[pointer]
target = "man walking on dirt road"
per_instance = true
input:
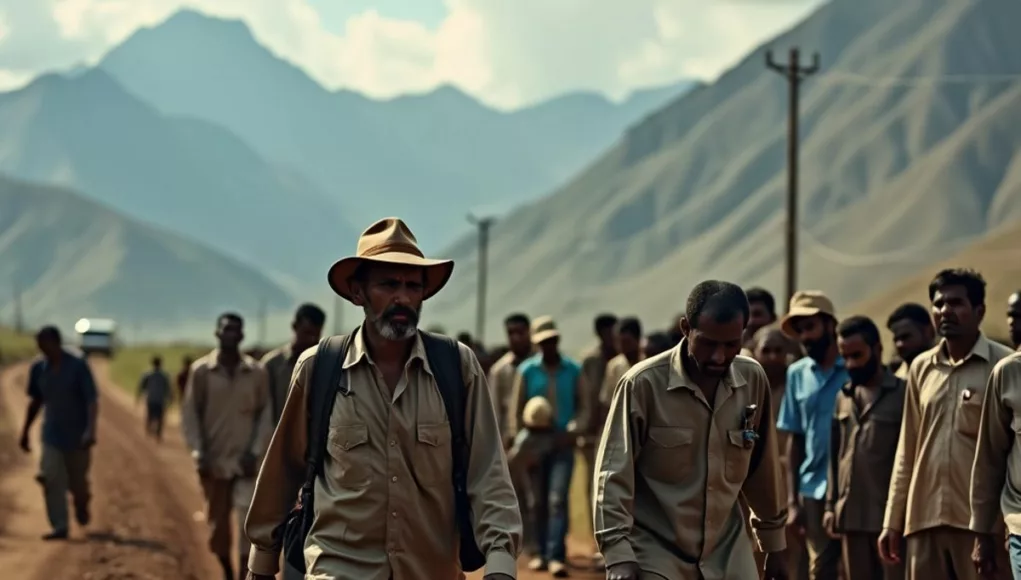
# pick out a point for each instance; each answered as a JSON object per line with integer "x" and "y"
{"x": 226, "y": 421}
{"x": 61, "y": 385}
{"x": 279, "y": 364}
{"x": 155, "y": 386}
{"x": 689, "y": 432}
{"x": 385, "y": 500}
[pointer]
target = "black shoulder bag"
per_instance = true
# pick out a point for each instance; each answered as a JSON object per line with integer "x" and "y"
{"x": 328, "y": 379}
{"x": 445, "y": 361}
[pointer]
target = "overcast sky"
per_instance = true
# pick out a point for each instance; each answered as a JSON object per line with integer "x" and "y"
{"x": 507, "y": 53}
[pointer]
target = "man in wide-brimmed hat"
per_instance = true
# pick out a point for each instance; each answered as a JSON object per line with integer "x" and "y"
{"x": 385, "y": 503}
{"x": 806, "y": 413}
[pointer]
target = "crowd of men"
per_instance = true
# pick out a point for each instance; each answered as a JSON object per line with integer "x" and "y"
{"x": 397, "y": 454}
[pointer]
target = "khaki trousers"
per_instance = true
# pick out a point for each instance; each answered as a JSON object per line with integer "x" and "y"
{"x": 861, "y": 558}
{"x": 226, "y": 497}
{"x": 945, "y": 552}
{"x": 61, "y": 472}
{"x": 823, "y": 551}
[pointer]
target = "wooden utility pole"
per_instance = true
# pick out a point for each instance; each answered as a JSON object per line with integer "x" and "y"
{"x": 19, "y": 321}
{"x": 483, "y": 225}
{"x": 794, "y": 73}
{"x": 262, "y": 325}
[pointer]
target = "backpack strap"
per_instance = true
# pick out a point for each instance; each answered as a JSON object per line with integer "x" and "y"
{"x": 445, "y": 362}
{"x": 328, "y": 379}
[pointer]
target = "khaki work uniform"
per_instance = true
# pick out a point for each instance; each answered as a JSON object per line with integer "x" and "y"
{"x": 501, "y": 385}
{"x": 864, "y": 443}
{"x": 615, "y": 370}
{"x": 929, "y": 498}
{"x": 996, "y": 475}
{"x": 384, "y": 508}
{"x": 279, "y": 365}
{"x": 671, "y": 466}
{"x": 223, "y": 417}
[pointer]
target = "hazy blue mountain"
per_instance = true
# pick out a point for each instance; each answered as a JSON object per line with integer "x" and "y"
{"x": 72, "y": 257}
{"x": 186, "y": 175}
{"x": 431, "y": 156}
{"x": 910, "y": 148}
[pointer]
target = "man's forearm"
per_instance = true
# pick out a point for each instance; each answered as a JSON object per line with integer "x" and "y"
{"x": 30, "y": 414}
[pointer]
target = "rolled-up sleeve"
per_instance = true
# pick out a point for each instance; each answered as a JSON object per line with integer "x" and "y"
{"x": 789, "y": 418}
{"x": 904, "y": 460}
{"x": 281, "y": 475}
{"x": 989, "y": 471}
{"x": 764, "y": 487}
{"x": 495, "y": 513}
{"x": 614, "y": 485}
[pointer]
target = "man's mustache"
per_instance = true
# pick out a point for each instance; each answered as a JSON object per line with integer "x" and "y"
{"x": 404, "y": 311}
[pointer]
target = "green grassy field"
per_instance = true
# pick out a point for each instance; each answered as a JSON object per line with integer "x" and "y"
{"x": 128, "y": 363}
{"x": 15, "y": 346}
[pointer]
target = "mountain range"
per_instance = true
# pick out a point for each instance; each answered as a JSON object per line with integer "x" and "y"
{"x": 437, "y": 155}
{"x": 81, "y": 258}
{"x": 909, "y": 152}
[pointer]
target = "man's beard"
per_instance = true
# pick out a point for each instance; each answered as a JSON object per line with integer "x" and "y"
{"x": 390, "y": 329}
{"x": 817, "y": 348}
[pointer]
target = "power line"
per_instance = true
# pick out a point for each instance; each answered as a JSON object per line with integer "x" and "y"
{"x": 851, "y": 78}
{"x": 795, "y": 75}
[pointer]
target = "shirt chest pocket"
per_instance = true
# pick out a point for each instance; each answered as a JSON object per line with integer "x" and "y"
{"x": 738, "y": 456}
{"x": 350, "y": 465}
{"x": 667, "y": 454}
{"x": 969, "y": 411}
{"x": 433, "y": 455}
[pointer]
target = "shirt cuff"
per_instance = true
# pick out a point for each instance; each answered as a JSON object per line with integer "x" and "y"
{"x": 618, "y": 553}
{"x": 500, "y": 562}
{"x": 769, "y": 541}
{"x": 263, "y": 562}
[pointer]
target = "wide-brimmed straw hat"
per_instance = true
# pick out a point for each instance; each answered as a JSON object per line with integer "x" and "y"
{"x": 543, "y": 329}
{"x": 806, "y": 303}
{"x": 389, "y": 241}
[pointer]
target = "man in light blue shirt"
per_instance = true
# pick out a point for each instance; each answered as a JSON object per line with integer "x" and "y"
{"x": 806, "y": 412}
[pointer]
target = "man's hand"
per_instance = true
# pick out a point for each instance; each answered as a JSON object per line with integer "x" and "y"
{"x": 89, "y": 438}
{"x": 890, "y": 546}
{"x": 201, "y": 465}
{"x": 829, "y": 523}
{"x": 23, "y": 443}
{"x": 983, "y": 555}
{"x": 796, "y": 519}
{"x": 497, "y": 576}
{"x": 776, "y": 566}
{"x": 623, "y": 571}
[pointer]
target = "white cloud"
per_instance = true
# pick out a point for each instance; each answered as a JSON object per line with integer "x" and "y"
{"x": 505, "y": 53}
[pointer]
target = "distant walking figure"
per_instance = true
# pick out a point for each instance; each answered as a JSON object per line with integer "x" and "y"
{"x": 61, "y": 385}
{"x": 155, "y": 386}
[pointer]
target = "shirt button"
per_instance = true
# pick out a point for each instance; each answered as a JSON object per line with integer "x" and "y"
{"x": 394, "y": 478}
{"x": 392, "y": 443}
{"x": 394, "y": 514}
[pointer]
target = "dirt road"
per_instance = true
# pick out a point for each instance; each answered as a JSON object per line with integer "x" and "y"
{"x": 146, "y": 501}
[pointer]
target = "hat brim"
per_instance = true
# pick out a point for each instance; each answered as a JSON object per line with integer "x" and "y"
{"x": 545, "y": 335}
{"x": 437, "y": 272}
{"x": 787, "y": 322}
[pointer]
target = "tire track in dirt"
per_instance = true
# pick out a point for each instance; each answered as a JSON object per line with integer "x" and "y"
{"x": 144, "y": 496}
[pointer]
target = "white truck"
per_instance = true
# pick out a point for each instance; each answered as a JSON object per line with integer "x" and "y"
{"x": 96, "y": 335}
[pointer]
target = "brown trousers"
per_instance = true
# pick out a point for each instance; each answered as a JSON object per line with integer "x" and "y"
{"x": 861, "y": 558}
{"x": 60, "y": 473}
{"x": 823, "y": 551}
{"x": 224, "y": 498}
{"x": 945, "y": 552}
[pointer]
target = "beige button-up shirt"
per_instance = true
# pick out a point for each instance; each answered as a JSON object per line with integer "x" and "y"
{"x": 942, "y": 409}
{"x": 615, "y": 370}
{"x": 671, "y": 466}
{"x": 501, "y": 383}
{"x": 593, "y": 373}
{"x": 279, "y": 365}
{"x": 385, "y": 507}
{"x": 996, "y": 475}
{"x": 224, "y": 415}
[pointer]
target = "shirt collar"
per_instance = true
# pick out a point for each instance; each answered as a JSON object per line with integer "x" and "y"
{"x": 245, "y": 364}
{"x": 888, "y": 382}
{"x": 679, "y": 377}
{"x": 358, "y": 352}
{"x": 982, "y": 350}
